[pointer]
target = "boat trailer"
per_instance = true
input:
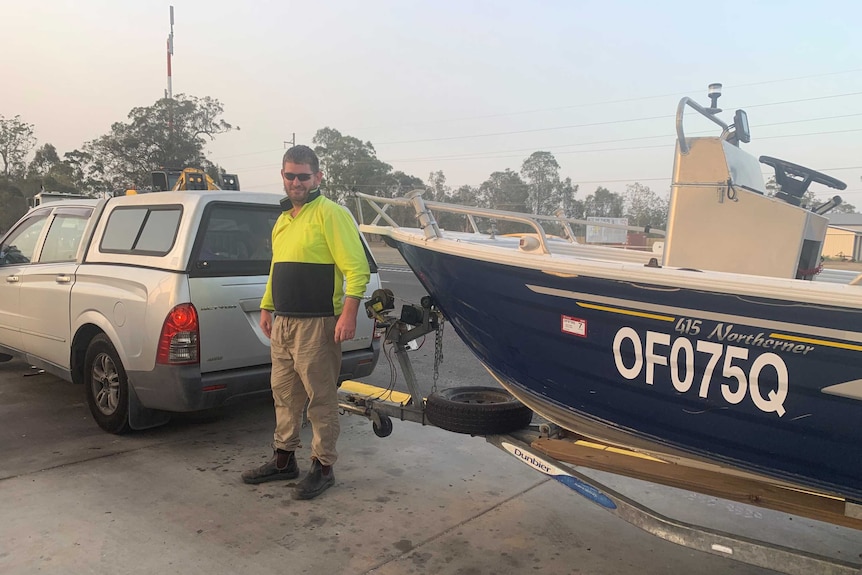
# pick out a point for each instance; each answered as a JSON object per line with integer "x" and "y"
{"x": 381, "y": 405}
{"x": 558, "y": 454}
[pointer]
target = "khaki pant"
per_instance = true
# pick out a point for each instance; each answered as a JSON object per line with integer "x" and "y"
{"x": 306, "y": 362}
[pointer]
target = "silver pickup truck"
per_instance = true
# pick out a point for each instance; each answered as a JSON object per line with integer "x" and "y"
{"x": 151, "y": 301}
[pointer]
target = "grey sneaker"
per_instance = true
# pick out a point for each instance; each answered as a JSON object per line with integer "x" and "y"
{"x": 316, "y": 481}
{"x": 270, "y": 471}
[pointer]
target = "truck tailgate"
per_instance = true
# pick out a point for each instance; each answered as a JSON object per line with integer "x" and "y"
{"x": 229, "y": 316}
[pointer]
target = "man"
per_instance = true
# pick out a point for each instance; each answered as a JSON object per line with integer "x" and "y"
{"x": 317, "y": 277}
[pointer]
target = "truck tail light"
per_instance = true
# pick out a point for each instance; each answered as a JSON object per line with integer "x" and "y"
{"x": 180, "y": 340}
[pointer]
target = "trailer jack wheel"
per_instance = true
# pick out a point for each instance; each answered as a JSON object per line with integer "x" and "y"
{"x": 381, "y": 424}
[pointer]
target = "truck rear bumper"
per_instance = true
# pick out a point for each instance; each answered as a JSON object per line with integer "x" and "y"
{"x": 183, "y": 388}
{"x": 359, "y": 363}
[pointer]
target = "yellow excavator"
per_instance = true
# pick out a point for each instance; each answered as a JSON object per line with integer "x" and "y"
{"x": 186, "y": 179}
{"x": 192, "y": 179}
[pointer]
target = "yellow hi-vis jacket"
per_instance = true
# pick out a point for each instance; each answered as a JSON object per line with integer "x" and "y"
{"x": 312, "y": 255}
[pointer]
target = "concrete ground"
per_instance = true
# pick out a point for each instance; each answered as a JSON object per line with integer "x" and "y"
{"x": 423, "y": 501}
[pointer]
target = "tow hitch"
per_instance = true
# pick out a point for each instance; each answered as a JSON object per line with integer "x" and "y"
{"x": 381, "y": 405}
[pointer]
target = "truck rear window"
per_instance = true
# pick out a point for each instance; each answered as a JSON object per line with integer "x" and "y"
{"x": 234, "y": 240}
{"x": 144, "y": 230}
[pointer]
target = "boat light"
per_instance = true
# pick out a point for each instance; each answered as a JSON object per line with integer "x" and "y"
{"x": 529, "y": 244}
{"x": 714, "y": 94}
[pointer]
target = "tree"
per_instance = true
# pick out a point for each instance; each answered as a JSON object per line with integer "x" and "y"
{"x": 349, "y": 165}
{"x": 570, "y": 206}
{"x": 465, "y": 195}
{"x": 47, "y": 172}
{"x": 844, "y": 209}
{"x": 172, "y": 133}
{"x": 438, "y": 191}
{"x": 503, "y": 191}
{"x": 13, "y": 203}
{"x": 546, "y": 193}
{"x": 401, "y": 183}
{"x": 643, "y": 207}
{"x": 16, "y": 141}
{"x": 604, "y": 203}
{"x": 84, "y": 172}
{"x": 541, "y": 172}
{"x": 43, "y": 160}
{"x": 437, "y": 188}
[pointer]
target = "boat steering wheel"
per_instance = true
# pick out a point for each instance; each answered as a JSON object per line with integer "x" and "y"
{"x": 795, "y": 179}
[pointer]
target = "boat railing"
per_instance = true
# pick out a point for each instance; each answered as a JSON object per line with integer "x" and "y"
{"x": 424, "y": 211}
{"x": 733, "y": 133}
{"x": 708, "y": 113}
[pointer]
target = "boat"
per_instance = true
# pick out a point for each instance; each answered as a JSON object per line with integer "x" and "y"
{"x": 717, "y": 347}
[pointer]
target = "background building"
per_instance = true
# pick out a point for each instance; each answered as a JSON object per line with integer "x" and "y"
{"x": 844, "y": 237}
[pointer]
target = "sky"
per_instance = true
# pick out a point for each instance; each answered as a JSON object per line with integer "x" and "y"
{"x": 463, "y": 86}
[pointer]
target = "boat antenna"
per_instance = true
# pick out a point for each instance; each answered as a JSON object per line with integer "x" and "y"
{"x": 714, "y": 94}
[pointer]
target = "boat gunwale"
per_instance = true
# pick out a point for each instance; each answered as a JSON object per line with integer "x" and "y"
{"x": 791, "y": 290}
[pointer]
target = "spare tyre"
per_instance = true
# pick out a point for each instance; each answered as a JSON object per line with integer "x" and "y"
{"x": 476, "y": 410}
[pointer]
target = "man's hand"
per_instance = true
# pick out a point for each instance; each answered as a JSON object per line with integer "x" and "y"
{"x": 266, "y": 322}
{"x": 345, "y": 328}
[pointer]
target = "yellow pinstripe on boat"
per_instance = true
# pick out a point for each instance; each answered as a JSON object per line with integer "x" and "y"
{"x": 626, "y": 311}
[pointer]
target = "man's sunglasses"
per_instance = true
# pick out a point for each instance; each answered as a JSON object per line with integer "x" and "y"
{"x": 290, "y": 176}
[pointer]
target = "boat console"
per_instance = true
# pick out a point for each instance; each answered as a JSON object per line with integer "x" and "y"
{"x": 720, "y": 217}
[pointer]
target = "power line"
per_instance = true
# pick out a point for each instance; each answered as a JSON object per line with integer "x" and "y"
{"x": 594, "y": 104}
{"x": 593, "y": 124}
{"x": 621, "y": 101}
{"x": 497, "y": 154}
{"x": 482, "y": 155}
{"x": 533, "y": 130}
{"x": 632, "y": 148}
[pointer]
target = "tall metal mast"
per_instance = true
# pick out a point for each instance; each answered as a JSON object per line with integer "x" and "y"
{"x": 170, "y": 92}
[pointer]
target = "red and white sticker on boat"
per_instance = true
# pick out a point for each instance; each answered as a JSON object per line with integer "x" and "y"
{"x": 573, "y": 325}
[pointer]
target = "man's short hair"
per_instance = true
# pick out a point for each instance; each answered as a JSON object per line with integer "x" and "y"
{"x": 302, "y": 155}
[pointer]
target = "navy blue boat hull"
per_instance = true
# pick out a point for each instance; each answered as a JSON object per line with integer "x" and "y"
{"x": 712, "y": 374}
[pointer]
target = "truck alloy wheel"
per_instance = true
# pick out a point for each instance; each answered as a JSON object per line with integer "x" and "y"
{"x": 107, "y": 386}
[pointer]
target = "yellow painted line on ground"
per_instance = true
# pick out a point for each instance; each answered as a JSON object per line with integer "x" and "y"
{"x": 626, "y": 311}
{"x": 375, "y": 392}
{"x": 837, "y": 344}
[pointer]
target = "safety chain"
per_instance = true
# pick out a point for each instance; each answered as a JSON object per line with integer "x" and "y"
{"x": 809, "y": 271}
{"x": 438, "y": 353}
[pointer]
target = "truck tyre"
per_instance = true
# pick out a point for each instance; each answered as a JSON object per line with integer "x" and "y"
{"x": 107, "y": 386}
{"x": 476, "y": 410}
